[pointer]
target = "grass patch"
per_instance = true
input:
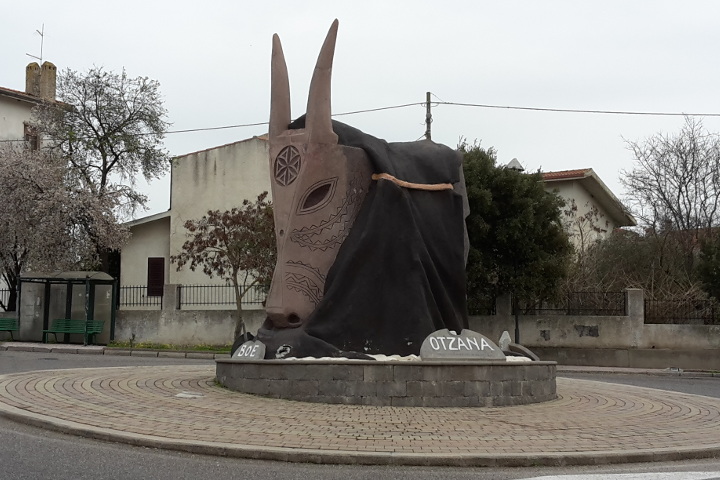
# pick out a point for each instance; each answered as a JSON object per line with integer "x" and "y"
{"x": 170, "y": 346}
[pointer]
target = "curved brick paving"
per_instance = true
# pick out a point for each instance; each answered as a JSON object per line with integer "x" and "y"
{"x": 180, "y": 407}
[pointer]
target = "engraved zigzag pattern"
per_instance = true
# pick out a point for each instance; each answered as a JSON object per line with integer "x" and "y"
{"x": 304, "y": 285}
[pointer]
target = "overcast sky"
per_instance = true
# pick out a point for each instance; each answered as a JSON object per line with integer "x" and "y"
{"x": 212, "y": 60}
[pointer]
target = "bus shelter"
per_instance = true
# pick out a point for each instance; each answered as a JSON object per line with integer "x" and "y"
{"x": 78, "y": 295}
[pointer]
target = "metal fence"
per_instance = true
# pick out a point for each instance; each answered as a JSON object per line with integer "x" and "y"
{"x": 189, "y": 295}
{"x": 220, "y": 295}
{"x": 4, "y": 297}
{"x": 583, "y": 303}
{"x": 683, "y": 312}
{"x": 136, "y": 296}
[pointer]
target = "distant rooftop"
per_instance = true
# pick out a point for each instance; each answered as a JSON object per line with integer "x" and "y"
{"x": 567, "y": 174}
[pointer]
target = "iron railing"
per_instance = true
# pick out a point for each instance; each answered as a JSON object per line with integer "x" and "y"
{"x": 220, "y": 295}
{"x": 137, "y": 296}
{"x": 685, "y": 311}
{"x": 4, "y": 297}
{"x": 583, "y": 303}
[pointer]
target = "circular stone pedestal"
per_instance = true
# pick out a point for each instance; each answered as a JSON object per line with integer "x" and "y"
{"x": 402, "y": 384}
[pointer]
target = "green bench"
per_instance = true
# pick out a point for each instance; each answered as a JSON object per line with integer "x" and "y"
{"x": 88, "y": 328}
{"x": 9, "y": 325}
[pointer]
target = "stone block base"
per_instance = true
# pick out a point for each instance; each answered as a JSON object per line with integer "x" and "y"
{"x": 402, "y": 384}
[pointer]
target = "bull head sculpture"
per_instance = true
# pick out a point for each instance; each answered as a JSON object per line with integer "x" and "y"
{"x": 318, "y": 187}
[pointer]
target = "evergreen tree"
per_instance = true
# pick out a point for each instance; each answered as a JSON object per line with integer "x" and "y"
{"x": 517, "y": 241}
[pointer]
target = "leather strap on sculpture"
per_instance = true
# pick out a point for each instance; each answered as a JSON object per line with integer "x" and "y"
{"x": 413, "y": 186}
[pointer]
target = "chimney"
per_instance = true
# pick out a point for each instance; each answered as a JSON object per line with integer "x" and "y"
{"x": 32, "y": 79}
{"x": 41, "y": 81}
{"x": 48, "y": 76}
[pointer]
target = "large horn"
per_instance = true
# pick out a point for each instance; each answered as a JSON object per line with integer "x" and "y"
{"x": 279, "y": 91}
{"x": 318, "y": 123}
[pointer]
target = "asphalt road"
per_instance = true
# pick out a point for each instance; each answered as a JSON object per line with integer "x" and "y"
{"x": 686, "y": 382}
{"x": 31, "y": 453}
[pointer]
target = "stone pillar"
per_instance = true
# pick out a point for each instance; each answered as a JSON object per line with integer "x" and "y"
{"x": 635, "y": 301}
{"x": 170, "y": 297}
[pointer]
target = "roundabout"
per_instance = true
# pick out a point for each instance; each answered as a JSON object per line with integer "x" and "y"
{"x": 182, "y": 408}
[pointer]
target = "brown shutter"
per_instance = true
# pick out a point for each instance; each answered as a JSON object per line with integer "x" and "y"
{"x": 156, "y": 276}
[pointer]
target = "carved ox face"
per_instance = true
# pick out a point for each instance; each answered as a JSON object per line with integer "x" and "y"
{"x": 318, "y": 187}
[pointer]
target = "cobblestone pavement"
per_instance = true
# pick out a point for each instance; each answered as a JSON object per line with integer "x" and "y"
{"x": 181, "y": 407}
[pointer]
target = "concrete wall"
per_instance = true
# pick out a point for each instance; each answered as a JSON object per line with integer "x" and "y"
{"x": 628, "y": 331}
{"x": 608, "y": 341}
{"x": 183, "y": 327}
{"x": 622, "y": 341}
{"x": 219, "y": 178}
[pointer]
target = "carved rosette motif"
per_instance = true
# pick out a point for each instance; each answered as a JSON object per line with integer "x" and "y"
{"x": 287, "y": 165}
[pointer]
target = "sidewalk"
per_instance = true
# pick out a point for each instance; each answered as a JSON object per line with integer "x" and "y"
{"x": 101, "y": 350}
{"x": 181, "y": 408}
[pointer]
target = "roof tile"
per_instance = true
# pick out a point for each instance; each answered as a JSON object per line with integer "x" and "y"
{"x": 566, "y": 174}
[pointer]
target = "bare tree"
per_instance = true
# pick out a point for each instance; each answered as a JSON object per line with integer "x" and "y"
{"x": 39, "y": 217}
{"x": 674, "y": 186}
{"x": 233, "y": 244}
{"x": 110, "y": 132}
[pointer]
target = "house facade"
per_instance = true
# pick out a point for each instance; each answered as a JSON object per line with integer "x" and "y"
{"x": 592, "y": 211}
{"x": 219, "y": 178}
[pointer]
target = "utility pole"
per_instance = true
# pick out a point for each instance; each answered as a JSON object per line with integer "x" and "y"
{"x": 428, "y": 117}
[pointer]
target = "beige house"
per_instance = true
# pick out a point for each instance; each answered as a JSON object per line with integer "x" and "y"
{"x": 218, "y": 178}
{"x": 592, "y": 211}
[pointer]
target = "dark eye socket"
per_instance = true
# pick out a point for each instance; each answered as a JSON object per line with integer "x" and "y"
{"x": 317, "y": 196}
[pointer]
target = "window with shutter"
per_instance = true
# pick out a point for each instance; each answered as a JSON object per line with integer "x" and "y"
{"x": 156, "y": 276}
{"x": 31, "y": 137}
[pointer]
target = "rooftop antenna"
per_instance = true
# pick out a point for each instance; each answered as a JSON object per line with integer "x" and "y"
{"x": 40, "y": 32}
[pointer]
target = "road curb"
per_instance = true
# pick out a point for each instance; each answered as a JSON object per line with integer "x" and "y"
{"x": 301, "y": 455}
{"x": 102, "y": 350}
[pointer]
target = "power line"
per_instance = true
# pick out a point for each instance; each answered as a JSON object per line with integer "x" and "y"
{"x": 457, "y": 104}
{"x": 572, "y": 110}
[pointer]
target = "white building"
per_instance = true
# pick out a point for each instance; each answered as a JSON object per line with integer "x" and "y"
{"x": 593, "y": 211}
{"x": 218, "y": 178}
{"x": 16, "y": 106}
